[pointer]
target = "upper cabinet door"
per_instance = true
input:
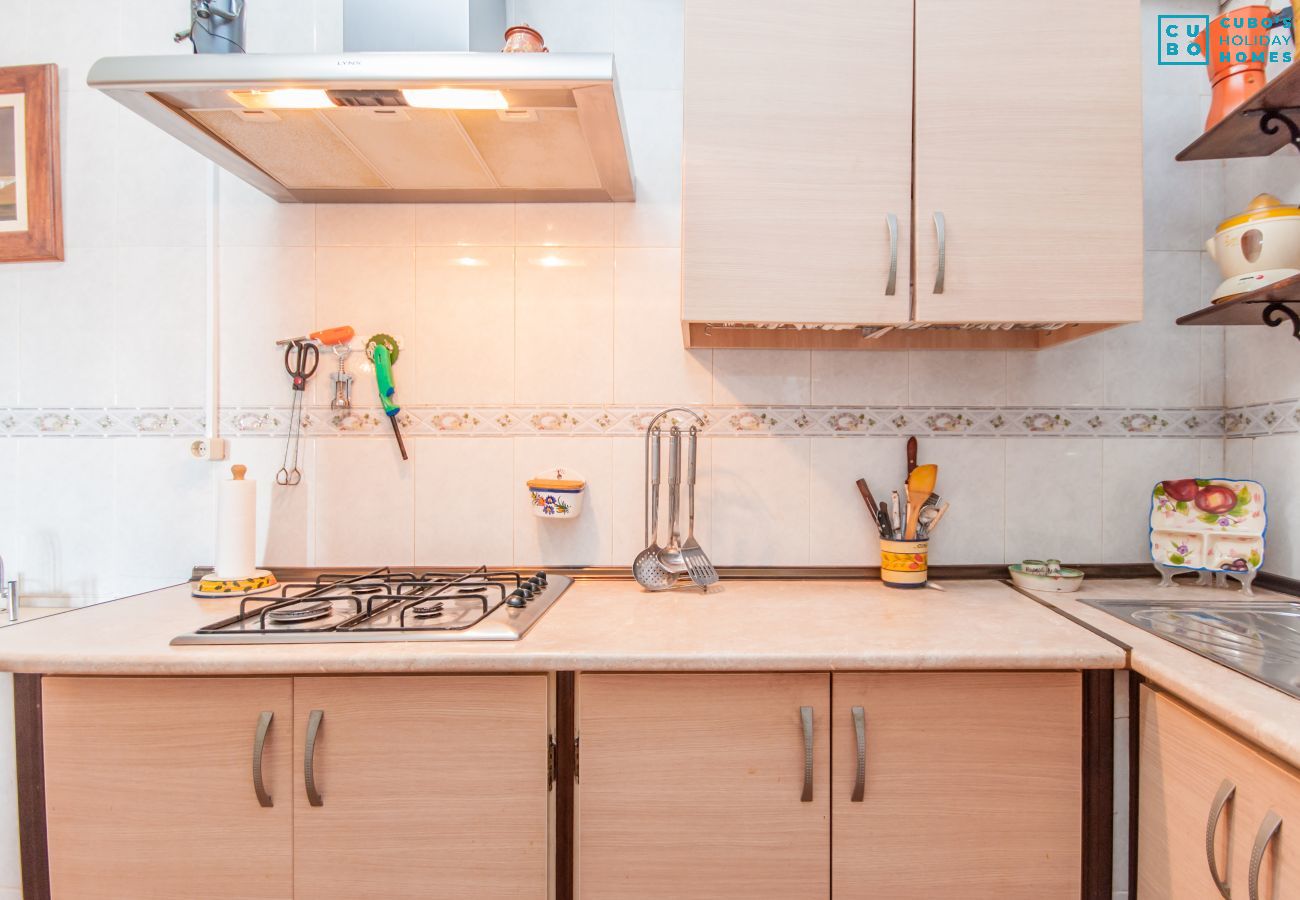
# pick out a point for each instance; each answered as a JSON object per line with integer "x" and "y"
{"x": 428, "y": 786}
{"x": 1029, "y": 144}
{"x": 151, "y": 793}
{"x": 797, "y": 159}
{"x": 957, "y": 784}
{"x": 703, "y": 786}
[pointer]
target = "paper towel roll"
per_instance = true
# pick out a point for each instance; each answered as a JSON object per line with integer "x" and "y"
{"x": 236, "y": 527}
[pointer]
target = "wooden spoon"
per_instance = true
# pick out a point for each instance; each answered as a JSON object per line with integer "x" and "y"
{"x": 920, "y": 484}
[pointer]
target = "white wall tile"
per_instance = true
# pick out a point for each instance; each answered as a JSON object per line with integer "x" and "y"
{"x": 958, "y": 377}
{"x": 10, "y": 325}
{"x": 584, "y": 541}
{"x": 13, "y": 37}
{"x": 159, "y": 326}
{"x": 564, "y": 322}
{"x": 1274, "y": 466}
{"x": 650, "y": 363}
{"x": 285, "y": 527}
{"x": 164, "y": 510}
{"x": 146, "y": 28}
{"x": 65, "y": 345}
{"x": 1154, "y": 362}
{"x": 859, "y": 379}
{"x": 72, "y": 33}
{"x": 465, "y": 496}
{"x": 465, "y": 224}
{"x": 459, "y": 293}
{"x": 88, "y": 126}
{"x": 762, "y": 377}
{"x": 841, "y": 529}
{"x": 250, "y": 218}
{"x": 568, "y": 26}
{"x": 286, "y": 26}
{"x": 1130, "y": 469}
{"x": 1212, "y": 456}
{"x": 761, "y": 502}
{"x": 161, "y": 187}
{"x": 565, "y": 224}
{"x": 975, "y": 478}
{"x": 630, "y": 499}
{"x": 373, "y": 290}
{"x": 1054, "y": 507}
{"x": 65, "y": 492}
{"x": 267, "y": 293}
{"x": 364, "y": 503}
{"x": 1067, "y": 375}
{"x": 365, "y": 224}
{"x": 1238, "y": 458}
{"x": 1262, "y": 365}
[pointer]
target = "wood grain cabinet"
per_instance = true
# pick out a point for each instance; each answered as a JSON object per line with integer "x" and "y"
{"x": 151, "y": 793}
{"x": 914, "y": 785}
{"x": 703, "y": 786}
{"x": 1212, "y": 812}
{"x": 1015, "y": 184}
{"x": 320, "y": 788}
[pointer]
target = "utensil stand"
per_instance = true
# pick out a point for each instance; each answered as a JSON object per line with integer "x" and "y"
{"x": 655, "y": 425}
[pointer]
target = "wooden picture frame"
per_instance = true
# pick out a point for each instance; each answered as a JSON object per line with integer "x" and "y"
{"x": 31, "y": 214}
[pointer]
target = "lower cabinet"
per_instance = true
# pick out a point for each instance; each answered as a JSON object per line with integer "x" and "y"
{"x": 889, "y": 785}
{"x": 1211, "y": 812}
{"x": 321, "y": 788}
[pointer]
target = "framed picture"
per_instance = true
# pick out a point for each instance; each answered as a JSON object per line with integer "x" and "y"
{"x": 31, "y": 218}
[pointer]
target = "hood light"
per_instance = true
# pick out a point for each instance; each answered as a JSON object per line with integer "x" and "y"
{"x": 283, "y": 98}
{"x": 455, "y": 98}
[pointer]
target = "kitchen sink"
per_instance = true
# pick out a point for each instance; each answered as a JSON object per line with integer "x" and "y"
{"x": 1258, "y": 638}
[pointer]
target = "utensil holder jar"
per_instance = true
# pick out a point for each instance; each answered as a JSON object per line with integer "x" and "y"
{"x": 904, "y": 564}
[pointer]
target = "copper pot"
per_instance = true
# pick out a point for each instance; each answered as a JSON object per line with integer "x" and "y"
{"x": 522, "y": 39}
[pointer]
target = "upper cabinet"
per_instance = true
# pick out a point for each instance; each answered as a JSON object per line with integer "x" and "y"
{"x": 959, "y": 151}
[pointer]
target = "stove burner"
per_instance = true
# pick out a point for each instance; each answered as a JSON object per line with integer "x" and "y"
{"x": 307, "y": 613}
{"x": 427, "y": 612}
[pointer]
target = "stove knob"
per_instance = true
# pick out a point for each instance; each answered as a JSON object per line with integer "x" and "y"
{"x": 516, "y": 600}
{"x": 535, "y": 585}
{"x": 540, "y": 578}
{"x": 527, "y": 590}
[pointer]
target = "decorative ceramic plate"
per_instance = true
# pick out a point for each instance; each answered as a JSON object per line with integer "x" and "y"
{"x": 1208, "y": 524}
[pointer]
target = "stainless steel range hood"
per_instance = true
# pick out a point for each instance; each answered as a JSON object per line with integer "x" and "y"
{"x": 391, "y": 127}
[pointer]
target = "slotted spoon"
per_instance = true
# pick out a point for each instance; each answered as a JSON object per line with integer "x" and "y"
{"x": 646, "y": 568}
{"x": 697, "y": 561}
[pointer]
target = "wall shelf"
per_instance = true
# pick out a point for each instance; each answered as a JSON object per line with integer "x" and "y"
{"x": 1277, "y": 304}
{"x": 1261, "y": 126}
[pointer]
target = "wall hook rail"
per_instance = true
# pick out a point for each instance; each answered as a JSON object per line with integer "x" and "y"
{"x": 1276, "y": 314}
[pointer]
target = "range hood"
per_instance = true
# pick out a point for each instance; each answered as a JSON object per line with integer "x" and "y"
{"x": 409, "y": 127}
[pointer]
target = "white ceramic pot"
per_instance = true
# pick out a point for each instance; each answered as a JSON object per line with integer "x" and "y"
{"x": 1265, "y": 236}
{"x": 556, "y": 494}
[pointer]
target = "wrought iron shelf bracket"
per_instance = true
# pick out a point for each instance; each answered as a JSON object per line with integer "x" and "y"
{"x": 1276, "y": 314}
{"x": 1271, "y": 121}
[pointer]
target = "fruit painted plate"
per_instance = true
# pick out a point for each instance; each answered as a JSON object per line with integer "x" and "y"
{"x": 1208, "y": 524}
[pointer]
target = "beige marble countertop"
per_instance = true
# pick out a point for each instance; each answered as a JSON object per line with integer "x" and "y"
{"x": 606, "y": 626}
{"x": 1259, "y": 713}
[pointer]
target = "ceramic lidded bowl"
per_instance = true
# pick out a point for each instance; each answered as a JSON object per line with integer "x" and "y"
{"x": 1036, "y": 575}
{"x": 556, "y": 494}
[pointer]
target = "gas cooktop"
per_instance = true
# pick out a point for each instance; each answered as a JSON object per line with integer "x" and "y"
{"x": 384, "y": 605}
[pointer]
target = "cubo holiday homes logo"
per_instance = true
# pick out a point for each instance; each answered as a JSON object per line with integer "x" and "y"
{"x": 1181, "y": 40}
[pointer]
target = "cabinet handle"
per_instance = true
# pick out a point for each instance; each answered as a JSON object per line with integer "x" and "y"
{"x": 1221, "y": 799}
{"x": 309, "y": 758}
{"x": 941, "y": 234}
{"x": 891, "y": 282}
{"x": 860, "y": 728}
{"x": 1267, "y": 829}
{"x": 259, "y": 743}
{"x": 806, "y": 713}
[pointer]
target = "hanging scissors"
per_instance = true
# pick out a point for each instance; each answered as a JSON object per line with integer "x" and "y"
{"x": 300, "y": 361}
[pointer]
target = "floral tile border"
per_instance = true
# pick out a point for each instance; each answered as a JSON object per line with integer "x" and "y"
{"x": 819, "y": 421}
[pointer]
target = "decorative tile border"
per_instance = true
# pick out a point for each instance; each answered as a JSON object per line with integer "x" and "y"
{"x": 1260, "y": 419}
{"x": 625, "y": 421}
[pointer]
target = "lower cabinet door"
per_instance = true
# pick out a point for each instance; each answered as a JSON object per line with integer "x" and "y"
{"x": 420, "y": 786}
{"x": 961, "y": 784}
{"x": 151, "y": 791}
{"x": 703, "y": 787}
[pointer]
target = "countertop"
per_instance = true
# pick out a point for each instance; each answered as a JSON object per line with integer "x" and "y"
{"x": 1259, "y": 713}
{"x": 607, "y": 626}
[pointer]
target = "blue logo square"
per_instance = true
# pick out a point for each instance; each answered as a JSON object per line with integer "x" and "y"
{"x": 1179, "y": 40}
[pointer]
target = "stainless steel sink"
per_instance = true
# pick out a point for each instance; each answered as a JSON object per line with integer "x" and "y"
{"x": 1258, "y": 638}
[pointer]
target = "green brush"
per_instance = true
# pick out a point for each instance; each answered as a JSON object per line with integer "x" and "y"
{"x": 382, "y": 350}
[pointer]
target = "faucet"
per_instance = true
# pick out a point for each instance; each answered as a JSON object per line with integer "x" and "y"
{"x": 9, "y": 592}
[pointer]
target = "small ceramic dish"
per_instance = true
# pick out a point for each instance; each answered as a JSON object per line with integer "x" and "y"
{"x": 1035, "y": 575}
{"x": 556, "y": 494}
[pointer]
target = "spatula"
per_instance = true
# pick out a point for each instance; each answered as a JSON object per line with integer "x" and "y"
{"x": 920, "y": 484}
{"x": 697, "y": 561}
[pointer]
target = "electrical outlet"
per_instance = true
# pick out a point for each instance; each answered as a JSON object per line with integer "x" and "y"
{"x": 211, "y": 449}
